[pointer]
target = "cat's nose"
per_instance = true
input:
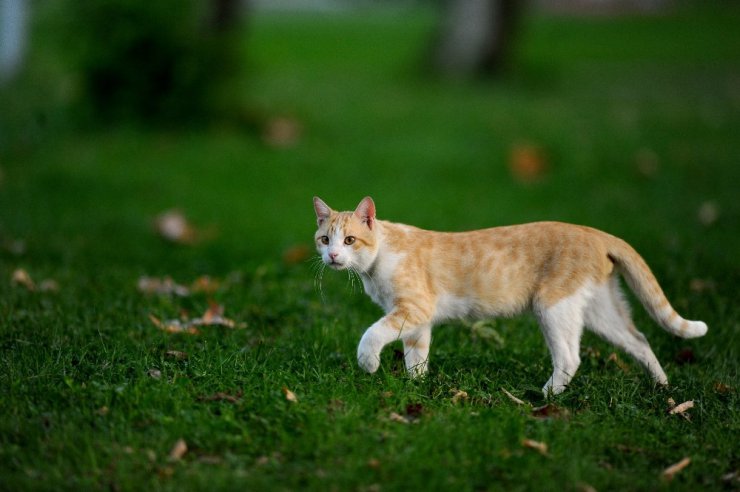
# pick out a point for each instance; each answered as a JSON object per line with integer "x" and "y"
{"x": 333, "y": 256}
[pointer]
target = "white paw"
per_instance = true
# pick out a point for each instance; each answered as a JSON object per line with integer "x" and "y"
{"x": 417, "y": 370}
{"x": 367, "y": 356}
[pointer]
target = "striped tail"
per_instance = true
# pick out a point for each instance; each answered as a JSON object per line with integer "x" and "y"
{"x": 643, "y": 283}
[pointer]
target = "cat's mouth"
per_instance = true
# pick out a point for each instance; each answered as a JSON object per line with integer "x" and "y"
{"x": 336, "y": 265}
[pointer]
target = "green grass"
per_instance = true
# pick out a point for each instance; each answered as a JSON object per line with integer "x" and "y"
{"x": 81, "y": 411}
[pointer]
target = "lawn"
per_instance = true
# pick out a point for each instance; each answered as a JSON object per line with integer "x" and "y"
{"x": 636, "y": 122}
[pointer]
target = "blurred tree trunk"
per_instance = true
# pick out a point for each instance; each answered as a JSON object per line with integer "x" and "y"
{"x": 476, "y": 36}
{"x": 13, "y": 37}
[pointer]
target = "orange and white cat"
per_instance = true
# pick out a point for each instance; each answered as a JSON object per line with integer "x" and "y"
{"x": 566, "y": 274}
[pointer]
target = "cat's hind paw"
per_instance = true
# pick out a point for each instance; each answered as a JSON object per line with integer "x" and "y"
{"x": 369, "y": 362}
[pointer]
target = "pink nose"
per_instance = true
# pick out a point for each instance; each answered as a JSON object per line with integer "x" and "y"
{"x": 333, "y": 256}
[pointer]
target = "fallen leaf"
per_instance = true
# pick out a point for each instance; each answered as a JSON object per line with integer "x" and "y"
{"x": 513, "y": 398}
{"x": 176, "y": 354}
{"x": 613, "y": 357}
{"x": 731, "y": 477}
{"x": 154, "y": 373}
{"x": 102, "y": 411}
{"x": 16, "y": 247}
{"x": 700, "y": 285}
{"x": 458, "y": 395}
{"x": 48, "y": 285}
{"x": 584, "y": 487}
{"x": 178, "y": 450}
{"x": 22, "y": 278}
{"x": 671, "y": 471}
{"x": 296, "y": 254}
{"x": 550, "y": 411}
{"x": 396, "y": 417}
{"x": 538, "y": 446}
{"x": 681, "y": 408}
{"x": 685, "y": 356}
{"x": 173, "y": 326}
{"x": 722, "y": 388}
{"x": 220, "y": 396}
{"x": 205, "y": 284}
{"x": 527, "y": 162}
{"x": 414, "y": 410}
{"x": 485, "y": 331}
{"x": 163, "y": 286}
{"x": 289, "y": 395}
{"x": 373, "y": 463}
{"x": 174, "y": 227}
{"x": 708, "y": 213}
{"x": 282, "y": 132}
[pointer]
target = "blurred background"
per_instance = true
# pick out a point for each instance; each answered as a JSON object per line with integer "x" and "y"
{"x": 227, "y": 116}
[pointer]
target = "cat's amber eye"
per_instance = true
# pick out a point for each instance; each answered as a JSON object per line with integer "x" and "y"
{"x": 349, "y": 240}
{"x": 324, "y": 239}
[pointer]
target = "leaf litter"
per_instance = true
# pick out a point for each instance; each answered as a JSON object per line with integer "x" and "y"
{"x": 213, "y": 316}
{"x": 672, "y": 470}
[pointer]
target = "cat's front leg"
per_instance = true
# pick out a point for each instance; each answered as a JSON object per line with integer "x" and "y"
{"x": 416, "y": 351}
{"x": 397, "y": 325}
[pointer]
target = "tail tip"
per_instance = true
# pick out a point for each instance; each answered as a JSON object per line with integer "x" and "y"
{"x": 696, "y": 329}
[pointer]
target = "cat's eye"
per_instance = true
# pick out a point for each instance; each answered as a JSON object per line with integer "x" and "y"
{"x": 324, "y": 240}
{"x": 349, "y": 240}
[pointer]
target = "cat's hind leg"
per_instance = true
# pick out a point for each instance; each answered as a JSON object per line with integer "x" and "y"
{"x": 608, "y": 316}
{"x": 416, "y": 350}
{"x": 562, "y": 327}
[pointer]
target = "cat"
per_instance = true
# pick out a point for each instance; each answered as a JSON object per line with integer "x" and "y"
{"x": 566, "y": 274}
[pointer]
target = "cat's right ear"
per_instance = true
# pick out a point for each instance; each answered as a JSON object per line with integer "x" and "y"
{"x": 323, "y": 211}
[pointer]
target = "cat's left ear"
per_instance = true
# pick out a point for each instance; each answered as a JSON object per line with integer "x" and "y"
{"x": 365, "y": 211}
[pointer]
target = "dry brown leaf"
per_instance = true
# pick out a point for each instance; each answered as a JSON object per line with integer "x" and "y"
{"x": 173, "y": 226}
{"x": 700, "y": 285}
{"x": 213, "y": 316}
{"x": 205, "y": 284}
{"x": 458, "y": 395}
{"x": 550, "y": 410}
{"x": 154, "y": 373}
{"x": 613, "y": 357}
{"x": 296, "y": 254}
{"x": 722, "y": 388}
{"x": 163, "y": 286}
{"x": 220, "y": 396}
{"x": 48, "y": 285}
{"x": 513, "y": 398}
{"x": 289, "y": 395}
{"x": 671, "y": 471}
{"x": 22, "y": 278}
{"x": 373, "y": 463}
{"x": 178, "y": 450}
{"x": 682, "y": 407}
{"x": 396, "y": 417}
{"x": 708, "y": 213}
{"x": 176, "y": 354}
{"x": 527, "y": 162}
{"x": 282, "y": 132}
{"x": 538, "y": 446}
{"x": 173, "y": 326}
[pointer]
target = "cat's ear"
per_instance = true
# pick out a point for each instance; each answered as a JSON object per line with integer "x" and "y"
{"x": 322, "y": 210}
{"x": 365, "y": 211}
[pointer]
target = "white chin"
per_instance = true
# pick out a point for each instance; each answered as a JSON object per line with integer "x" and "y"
{"x": 337, "y": 266}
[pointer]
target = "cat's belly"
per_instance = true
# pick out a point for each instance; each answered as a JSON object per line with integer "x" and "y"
{"x": 451, "y": 307}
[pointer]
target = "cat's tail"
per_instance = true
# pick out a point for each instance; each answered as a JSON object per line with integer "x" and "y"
{"x": 645, "y": 286}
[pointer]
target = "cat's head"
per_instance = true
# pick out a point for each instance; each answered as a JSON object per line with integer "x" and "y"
{"x": 347, "y": 239}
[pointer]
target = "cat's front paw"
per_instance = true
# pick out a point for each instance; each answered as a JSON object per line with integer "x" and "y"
{"x": 368, "y": 357}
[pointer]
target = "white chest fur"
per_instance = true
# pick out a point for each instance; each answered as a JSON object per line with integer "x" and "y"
{"x": 378, "y": 282}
